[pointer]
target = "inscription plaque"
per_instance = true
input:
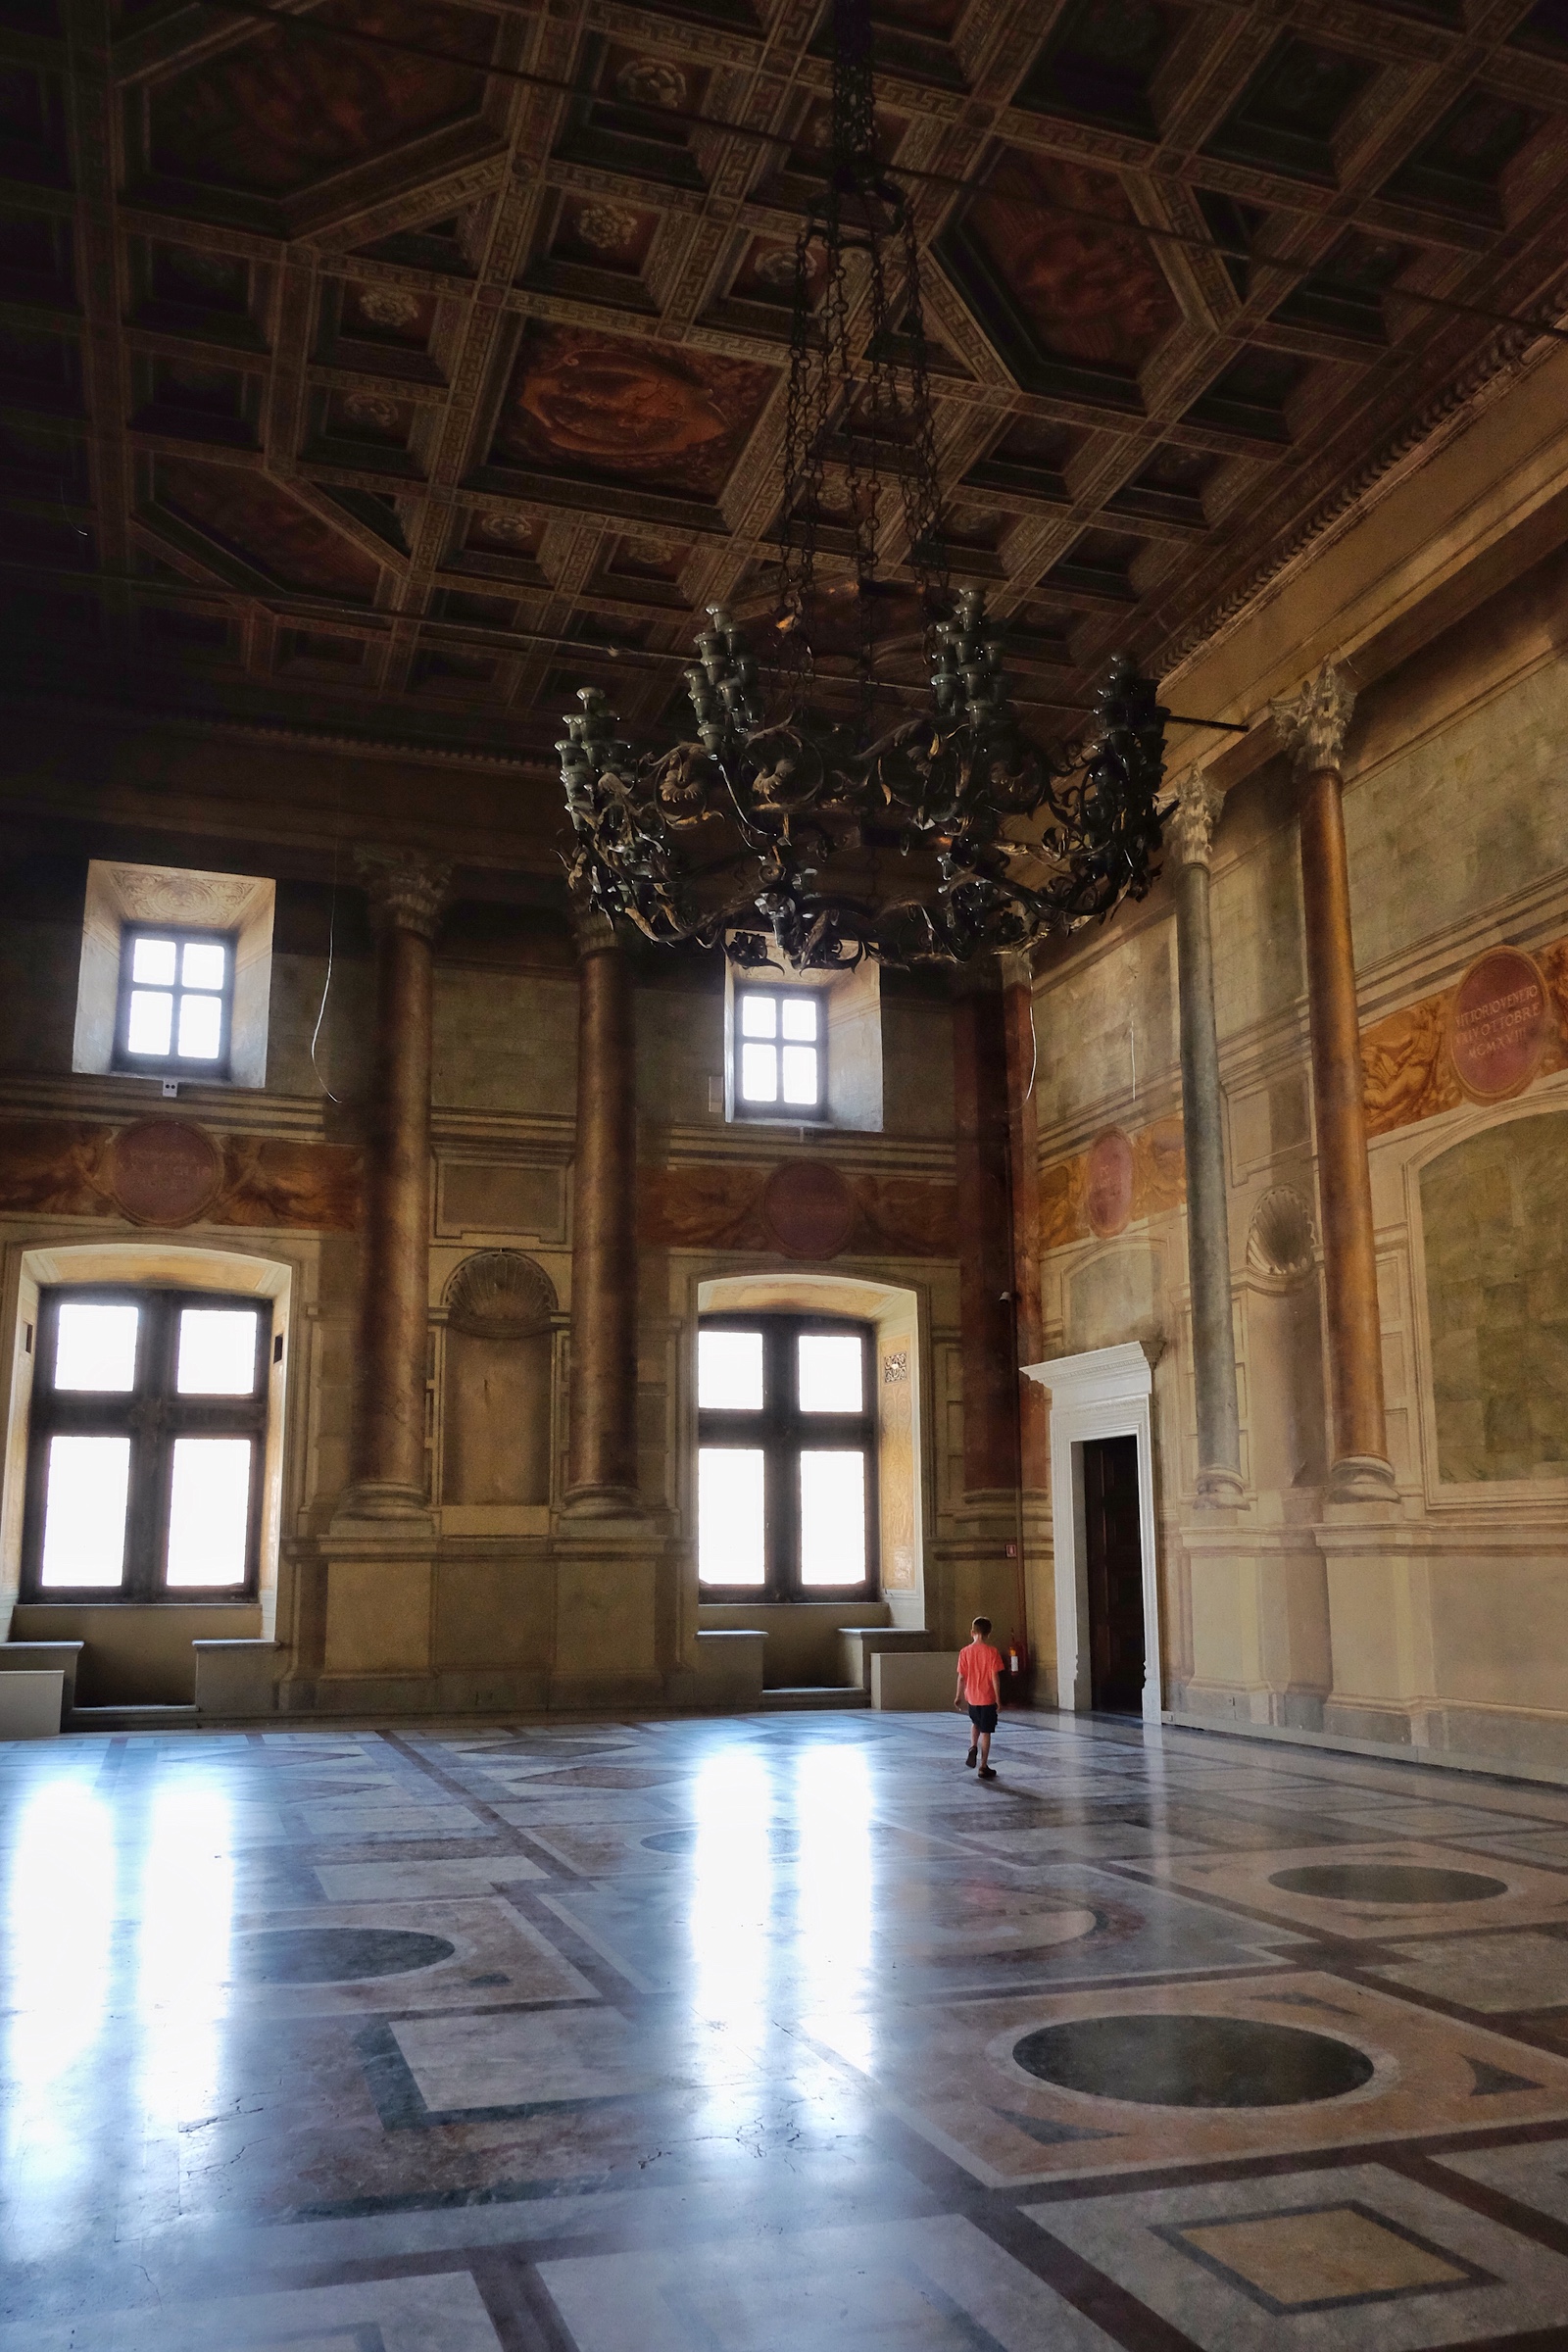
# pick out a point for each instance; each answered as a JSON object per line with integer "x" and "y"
{"x": 807, "y": 1210}
{"x": 1498, "y": 1024}
{"x": 164, "y": 1171}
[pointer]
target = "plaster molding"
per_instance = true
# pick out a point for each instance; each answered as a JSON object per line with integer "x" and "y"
{"x": 1313, "y": 724}
{"x": 406, "y": 891}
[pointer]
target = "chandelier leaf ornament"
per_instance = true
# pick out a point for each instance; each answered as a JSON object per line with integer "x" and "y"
{"x": 788, "y": 827}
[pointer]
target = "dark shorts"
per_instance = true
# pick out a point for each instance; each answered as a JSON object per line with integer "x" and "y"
{"x": 984, "y": 1719}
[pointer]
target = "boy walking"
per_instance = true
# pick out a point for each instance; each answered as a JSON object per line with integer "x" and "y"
{"x": 979, "y": 1683}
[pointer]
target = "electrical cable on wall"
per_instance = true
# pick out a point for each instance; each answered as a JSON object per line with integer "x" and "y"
{"x": 326, "y": 984}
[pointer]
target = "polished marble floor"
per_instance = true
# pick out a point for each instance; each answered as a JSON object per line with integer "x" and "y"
{"x": 777, "y": 2034}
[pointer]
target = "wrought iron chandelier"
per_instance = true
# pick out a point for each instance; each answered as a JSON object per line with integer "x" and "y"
{"x": 810, "y": 836}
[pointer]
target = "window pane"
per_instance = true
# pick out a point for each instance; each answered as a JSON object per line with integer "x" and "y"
{"x": 729, "y": 1371}
{"x": 209, "y": 1508}
{"x": 85, "y": 1511}
{"x": 832, "y": 1367}
{"x": 832, "y": 1518}
{"x": 217, "y": 1352}
{"x": 799, "y": 1015}
{"x": 799, "y": 1074}
{"x": 152, "y": 1022}
{"x": 203, "y": 964}
{"x": 96, "y": 1348}
{"x": 729, "y": 1515}
{"x": 758, "y": 1015}
{"x": 201, "y": 1027}
{"x": 760, "y": 1073}
{"x": 152, "y": 962}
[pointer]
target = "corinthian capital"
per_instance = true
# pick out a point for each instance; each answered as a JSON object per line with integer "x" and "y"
{"x": 1313, "y": 723}
{"x": 405, "y": 890}
{"x": 1190, "y": 827}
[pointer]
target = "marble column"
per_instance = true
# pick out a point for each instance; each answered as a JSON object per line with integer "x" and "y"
{"x": 601, "y": 1479}
{"x": 1021, "y": 1047}
{"x": 1190, "y": 837}
{"x": 387, "y": 1465}
{"x": 1313, "y": 725}
{"x": 985, "y": 1236}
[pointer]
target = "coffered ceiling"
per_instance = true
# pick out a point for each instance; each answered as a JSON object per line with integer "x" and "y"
{"x": 396, "y": 385}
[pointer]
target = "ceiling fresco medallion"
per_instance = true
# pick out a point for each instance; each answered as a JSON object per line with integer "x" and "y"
{"x": 271, "y": 114}
{"x": 1088, "y": 292}
{"x": 1497, "y": 1025}
{"x": 586, "y": 403}
{"x": 1110, "y": 1183}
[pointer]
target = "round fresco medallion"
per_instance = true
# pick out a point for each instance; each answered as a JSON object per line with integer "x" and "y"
{"x": 807, "y": 1210}
{"x": 1498, "y": 1024}
{"x": 1161, "y": 2060}
{"x": 164, "y": 1171}
{"x": 511, "y": 529}
{"x": 336, "y": 1955}
{"x": 1387, "y": 1883}
{"x": 1110, "y": 1183}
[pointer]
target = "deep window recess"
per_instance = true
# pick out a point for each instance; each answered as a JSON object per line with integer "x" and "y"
{"x": 144, "y": 1465}
{"x": 176, "y": 1001}
{"x": 780, "y": 1052}
{"x": 786, "y": 1458}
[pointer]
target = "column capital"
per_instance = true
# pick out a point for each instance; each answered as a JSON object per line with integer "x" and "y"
{"x": 1314, "y": 723}
{"x": 1190, "y": 827}
{"x": 407, "y": 890}
{"x": 593, "y": 930}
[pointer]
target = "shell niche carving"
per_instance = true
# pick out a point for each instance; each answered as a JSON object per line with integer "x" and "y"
{"x": 1280, "y": 1240}
{"x": 500, "y": 1295}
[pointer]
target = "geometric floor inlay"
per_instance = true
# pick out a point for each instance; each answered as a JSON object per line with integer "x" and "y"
{"x": 776, "y": 2034}
{"x": 1194, "y": 2061}
{"x": 336, "y": 1955}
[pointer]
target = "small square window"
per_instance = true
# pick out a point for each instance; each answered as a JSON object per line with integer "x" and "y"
{"x": 779, "y": 1066}
{"x": 176, "y": 1001}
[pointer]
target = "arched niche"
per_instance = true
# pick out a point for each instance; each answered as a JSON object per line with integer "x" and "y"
{"x": 497, "y": 1390}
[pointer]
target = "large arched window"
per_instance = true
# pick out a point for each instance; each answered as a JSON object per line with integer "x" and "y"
{"x": 786, "y": 1468}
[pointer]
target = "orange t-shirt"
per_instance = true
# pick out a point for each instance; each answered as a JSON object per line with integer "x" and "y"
{"x": 979, "y": 1666}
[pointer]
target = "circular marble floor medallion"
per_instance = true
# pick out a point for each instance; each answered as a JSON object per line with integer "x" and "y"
{"x": 1159, "y": 2061}
{"x": 1387, "y": 1883}
{"x": 336, "y": 1955}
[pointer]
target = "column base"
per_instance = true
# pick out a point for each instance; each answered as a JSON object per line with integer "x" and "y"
{"x": 1221, "y": 1489}
{"x": 379, "y": 1500}
{"x": 603, "y": 1503}
{"x": 1362, "y": 1478}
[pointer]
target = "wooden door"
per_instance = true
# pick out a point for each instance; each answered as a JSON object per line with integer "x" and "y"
{"x": 1115, "y": 1566}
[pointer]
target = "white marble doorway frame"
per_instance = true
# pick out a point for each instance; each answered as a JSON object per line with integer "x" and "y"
{"x": 1104, "y": 1392}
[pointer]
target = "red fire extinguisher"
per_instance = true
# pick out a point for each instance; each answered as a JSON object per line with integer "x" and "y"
{"x": 1017, "y": 1654}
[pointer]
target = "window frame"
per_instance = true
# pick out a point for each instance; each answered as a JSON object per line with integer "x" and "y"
{"x": 789, "y": 1114}
{"x": 219, "y": 1070}
{"x": 152, "y": 1414}
{"x": 782, "y": 1432}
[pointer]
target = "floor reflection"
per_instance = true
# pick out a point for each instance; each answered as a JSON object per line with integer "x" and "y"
{"x": 725, "y": 2037}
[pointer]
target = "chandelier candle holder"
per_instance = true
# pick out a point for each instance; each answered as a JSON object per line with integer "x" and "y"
{"x": 807, "y": 836}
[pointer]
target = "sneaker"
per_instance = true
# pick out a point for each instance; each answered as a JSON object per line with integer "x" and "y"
{"x": 985, "y": 1772}
{"x": 970, "y": 1759}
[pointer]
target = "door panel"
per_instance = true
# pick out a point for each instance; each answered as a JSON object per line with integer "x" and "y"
{"x": 1115, "y": 1575}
